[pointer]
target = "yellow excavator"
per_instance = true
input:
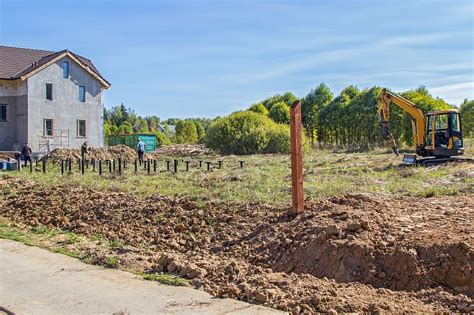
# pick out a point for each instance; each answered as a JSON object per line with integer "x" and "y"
{"x": 437, "y": 136}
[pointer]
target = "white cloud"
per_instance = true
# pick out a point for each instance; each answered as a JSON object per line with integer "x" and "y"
{"x": 454, "y": 93}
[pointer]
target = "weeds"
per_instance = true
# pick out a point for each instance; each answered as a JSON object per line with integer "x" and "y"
{"x": 164, "y": 278}
{"x": 111, "y": 262}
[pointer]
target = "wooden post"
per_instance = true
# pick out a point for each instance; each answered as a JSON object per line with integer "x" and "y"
{"x": 176, "y": 166}
{"x": 296, "y": 158}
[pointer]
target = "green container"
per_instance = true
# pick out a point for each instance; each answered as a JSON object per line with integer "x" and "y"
{"x": 131, "y": 141}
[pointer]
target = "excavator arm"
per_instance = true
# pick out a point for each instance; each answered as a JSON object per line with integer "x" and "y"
{"x": 384, "y": 100}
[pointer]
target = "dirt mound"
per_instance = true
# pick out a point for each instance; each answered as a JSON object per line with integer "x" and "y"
{"x": 183, "y": 150}
{"x": 114, "y": 152}
{"x": 347, "y": 254}
{"x": 6, "y": 157}
{"x": 396, "y": 245}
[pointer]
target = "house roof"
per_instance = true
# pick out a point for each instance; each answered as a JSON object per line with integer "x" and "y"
{"x": 16, "y": 63}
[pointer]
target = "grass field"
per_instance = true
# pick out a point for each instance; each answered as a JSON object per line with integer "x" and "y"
{"x": 266, "y": 178}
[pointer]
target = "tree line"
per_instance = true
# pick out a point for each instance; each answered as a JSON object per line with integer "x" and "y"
{"x": 120, "y": 120}
{"x": 347, "y": 120}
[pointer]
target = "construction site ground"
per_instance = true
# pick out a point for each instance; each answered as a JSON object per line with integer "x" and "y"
{"x": 379, "y": 238}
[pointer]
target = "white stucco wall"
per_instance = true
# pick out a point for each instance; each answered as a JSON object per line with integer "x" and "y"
{"x": 65, "y": 108}
{"x": 13, "y": 94}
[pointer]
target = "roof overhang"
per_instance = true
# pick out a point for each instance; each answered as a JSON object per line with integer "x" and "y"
{"x": 66, "y": 53}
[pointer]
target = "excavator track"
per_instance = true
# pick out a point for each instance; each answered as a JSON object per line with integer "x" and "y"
{"x": 412, "y": 160}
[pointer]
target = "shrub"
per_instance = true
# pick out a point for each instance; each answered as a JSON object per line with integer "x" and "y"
{"x": 247, "y": 133}
{"x": 201, "y": 133}
{"x": 162, "y": 138}
{"x": 259, "y": 108}
{"x": 280, "y": 113}
{"x": 186, "y": 132}
{"x": 278, "y": 139}
{"x": 126, "y": 128}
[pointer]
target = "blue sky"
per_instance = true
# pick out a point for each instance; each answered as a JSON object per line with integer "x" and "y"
{"x": 208, "y": 58}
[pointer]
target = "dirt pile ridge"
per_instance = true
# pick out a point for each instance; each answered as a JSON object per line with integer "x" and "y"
{"x": 109, "y": 153}
{"x": 183, "y": 150}
{"x": 346, "y": 254}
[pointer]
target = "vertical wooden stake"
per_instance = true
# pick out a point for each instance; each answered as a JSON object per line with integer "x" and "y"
{"x": 296, "y": 158}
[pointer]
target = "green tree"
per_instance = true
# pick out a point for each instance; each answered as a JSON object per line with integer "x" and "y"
{"x": 259, "y": 108}
{"x": 311, "y": 104}
{"x": 142, "y": 125}
{"x": 280, "y": 113}
{"x": 107, "y": 131}
{"x": 467, "y": 118}
{"x": 125, "y": 128}
{"x": 288, "y": 98}
{"x": 153, "y": 122}
{"x": 201, "y": 132}
{"x": 161, "y": 138}
{"x": 186, "y": 132}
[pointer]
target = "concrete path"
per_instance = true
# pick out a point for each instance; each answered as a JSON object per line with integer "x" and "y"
{"x": 36, "y": 281}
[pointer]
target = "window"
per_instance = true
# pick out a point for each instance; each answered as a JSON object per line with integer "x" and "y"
{"x": 441, "y": 122}
{"x": 82, "y": 93}
{"x": 48, "y": 127}
{"x": 81, "y": 128}
{"x": 49, "y": 91}
{"x": 65, "y": 69}
{"x": 3, "y": 112}
{"x": 454, "y": 122}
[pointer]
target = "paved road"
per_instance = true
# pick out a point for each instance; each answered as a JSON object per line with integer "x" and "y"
{"x": 36, "y": 281}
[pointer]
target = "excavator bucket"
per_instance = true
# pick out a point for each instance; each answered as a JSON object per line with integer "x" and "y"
{"x": 409, "y": 159}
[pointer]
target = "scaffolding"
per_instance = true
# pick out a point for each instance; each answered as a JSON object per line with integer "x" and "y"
{"x": 59, "y": 139}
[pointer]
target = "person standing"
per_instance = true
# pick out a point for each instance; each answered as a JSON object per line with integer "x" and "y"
{"x": 26, "y": 151}
{"x": 140, "y": 150}
{"x": 84, "y": 151}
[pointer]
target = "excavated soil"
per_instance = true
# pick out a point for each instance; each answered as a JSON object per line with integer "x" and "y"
{"x": 182, "y": 150}
{"x": 349, "y": 253}
{"x": 114, "y": 152}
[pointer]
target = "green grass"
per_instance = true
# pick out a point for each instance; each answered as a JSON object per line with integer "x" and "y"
{"x": 266, "y": 178}
{"x": 14, "y": 235}
{"x": 111, "y": 262}
{"x": 165, "y": 278}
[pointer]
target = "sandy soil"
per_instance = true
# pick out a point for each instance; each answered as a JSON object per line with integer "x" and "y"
{"x": 344, "y": 254}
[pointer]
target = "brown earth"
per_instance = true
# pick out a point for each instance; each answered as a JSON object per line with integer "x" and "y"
{"x": 7, "y": 156}
{"x": 345, "y": 254}
{"x": 114, "y": 152}
{"x": 182, "y": 150}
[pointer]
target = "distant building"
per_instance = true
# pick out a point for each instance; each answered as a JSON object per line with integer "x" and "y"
{"x": 49, "y": 99}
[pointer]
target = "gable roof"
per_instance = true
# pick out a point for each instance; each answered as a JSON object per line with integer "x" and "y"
{"x": 21, "y": 63}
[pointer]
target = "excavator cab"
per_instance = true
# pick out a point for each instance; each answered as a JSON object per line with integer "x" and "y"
{"x": 443, "y": 136}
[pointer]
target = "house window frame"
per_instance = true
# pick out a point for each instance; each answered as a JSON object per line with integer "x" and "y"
{"x": 78, "y": 127}
{"x": 6, "y": 113}
{"x": 52, "y": 91}
{"x": 83, "y": 98}
{"x": 66, "y": 67}
{"x": 45, "y": 130}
